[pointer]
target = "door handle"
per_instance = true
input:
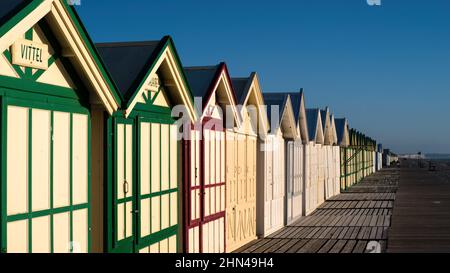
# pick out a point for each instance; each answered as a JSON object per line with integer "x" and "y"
{"x": 134, "y": 211}
{"x": 125, "y": 187}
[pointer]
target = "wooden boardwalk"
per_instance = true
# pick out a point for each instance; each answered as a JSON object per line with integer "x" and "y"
{"x": 421, "y": 216}
{"x": 343, "y": 224}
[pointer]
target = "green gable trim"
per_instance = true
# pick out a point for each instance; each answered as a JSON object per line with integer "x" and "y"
{"x": 168, "y": 43}
{"x": 28, "y": 89}
{"x": 19, "y": 16}
{"x": 89, "y": 44}
{"x": 16, "y": 67}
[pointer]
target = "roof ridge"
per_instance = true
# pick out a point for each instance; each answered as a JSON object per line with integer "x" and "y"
{"x": 126, "y": 44}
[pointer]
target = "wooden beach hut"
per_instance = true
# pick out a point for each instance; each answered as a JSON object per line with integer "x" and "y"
{"x": 51, "y": 86}
{"x": 312, "y": 156}
{"x": 205, "y": 155}
{"x": 334, "y": 167}
{"x": 295, "y": 161}
{"x": 271, "y": 164}
{"x": 144, "y": 149}
{"x": 325, "y": 158}
{"x": 343, "y": 140}
{"x": 241, "y": 162}
{"x": 379, "y": 157}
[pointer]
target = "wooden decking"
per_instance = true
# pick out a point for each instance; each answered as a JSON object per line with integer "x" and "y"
{"x": 344, "y": 224}
{"x": 421, "y": 218}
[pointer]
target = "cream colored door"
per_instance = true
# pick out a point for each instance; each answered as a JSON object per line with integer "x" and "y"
{"x": 232, "y": 188}
{"x": 123, "y": 190}
{"x": 46, "y": 187}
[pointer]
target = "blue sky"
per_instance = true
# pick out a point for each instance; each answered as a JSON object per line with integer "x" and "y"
{"x": 386, "y": 68}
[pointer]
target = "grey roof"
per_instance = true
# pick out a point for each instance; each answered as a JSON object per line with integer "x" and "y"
{"x": 239, "y": 86}
{"x": 296, "y": 102}
{"x": 9, "y": 8}
{"x": 312, "y": 116}
{"x": 200, "y": 78}
{"x": 340, "y": 128}
{"x": 129, "y": 62}
{"x": 275, "y": 99}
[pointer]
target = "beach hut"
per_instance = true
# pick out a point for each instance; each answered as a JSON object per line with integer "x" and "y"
{"x": 342, "y": 131}
{"x": 334, "y": 157}
{"x": 295, "y": 160}
{"x": 386, "y": 158}
{"x": 271, "y": 164}
{"x": 325, "y": 158}
{"x": 52, "y": 84}
{"x": 205, "y": 184}
{"x": 241, "y": 165}
{"x": 312, "y": 151}
{"x": 379, "y": 157}
{"x": 144, "y": 148}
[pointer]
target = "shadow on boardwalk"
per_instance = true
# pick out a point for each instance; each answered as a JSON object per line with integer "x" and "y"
{"x": 421, "y": 217}
{"x": 344, "y": 224}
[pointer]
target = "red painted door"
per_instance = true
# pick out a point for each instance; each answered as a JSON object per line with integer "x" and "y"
{"x": 205, "y": 194}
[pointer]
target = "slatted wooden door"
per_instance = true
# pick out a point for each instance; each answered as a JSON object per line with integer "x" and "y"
{"x": 278, "y": 186}
{"x": 206, "y": 188}
{"x": 157, "y": 189}
{"x": 313, "y": 178}
{"x": 290, "y": 173}
{"x": 241, "y": 189}
{"x": 124, "y": 203}
{"x": 294, "y": 180}
{"x": 45, "y": 178}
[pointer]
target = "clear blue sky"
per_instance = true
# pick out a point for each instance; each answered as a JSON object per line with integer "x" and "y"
{"x": 387, "y": 68}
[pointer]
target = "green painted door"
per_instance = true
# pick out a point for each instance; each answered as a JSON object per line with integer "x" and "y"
{"x": 124, "y": 205}
{"x": 158, "y": 154}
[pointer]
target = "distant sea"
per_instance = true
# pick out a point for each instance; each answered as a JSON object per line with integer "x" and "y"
{"x": 443, "y": 158}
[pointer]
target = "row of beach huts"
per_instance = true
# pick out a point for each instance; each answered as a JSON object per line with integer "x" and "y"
{"x": 116, "y": 147}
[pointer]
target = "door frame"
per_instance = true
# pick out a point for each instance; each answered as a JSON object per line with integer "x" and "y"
{"x": 188, "y": 224}
{"x": 70, "y": 108}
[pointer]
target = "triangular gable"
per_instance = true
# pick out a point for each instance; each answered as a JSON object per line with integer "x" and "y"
{"x": 76, "y": 46}
{"x": 333, "y": 130}
{"x": 248, "y": 92}
{"x": 326, "y": 126}
{"x": 315, "y": 126}
{"x": 148, "y": 73}
{"x": 281, "y": 105}
{"x": 213, "y": 85}
{"x": 303, "y": 124}
{"x": 298, "y": 103}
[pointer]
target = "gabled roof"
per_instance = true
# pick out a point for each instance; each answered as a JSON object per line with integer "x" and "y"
{"x": 201, "y": 78}
{"x": 315, "y": 129}
{"x": 281, "y": 105}
{"x": 9, "y": 8}
{"x": 128, "y": 62}
{"x": 205, "y": 81}
{"x": 298, "y": 104}
{"x": 333, "y": 130}
{"x": 244, "y": 88}
{"x": 326, "y": 126}
{"x": 17, "y": 18}
{"x": 131, "y": 65}
{"x": 342, "y": 131}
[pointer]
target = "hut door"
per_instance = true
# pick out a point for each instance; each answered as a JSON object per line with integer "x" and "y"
{"x": 194, "y": 194}
{"x": 289, "y": 179}
{"x": 123, "y": 190}
{"x": 213, "y": 192}
{"x": 269, "y": 184}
